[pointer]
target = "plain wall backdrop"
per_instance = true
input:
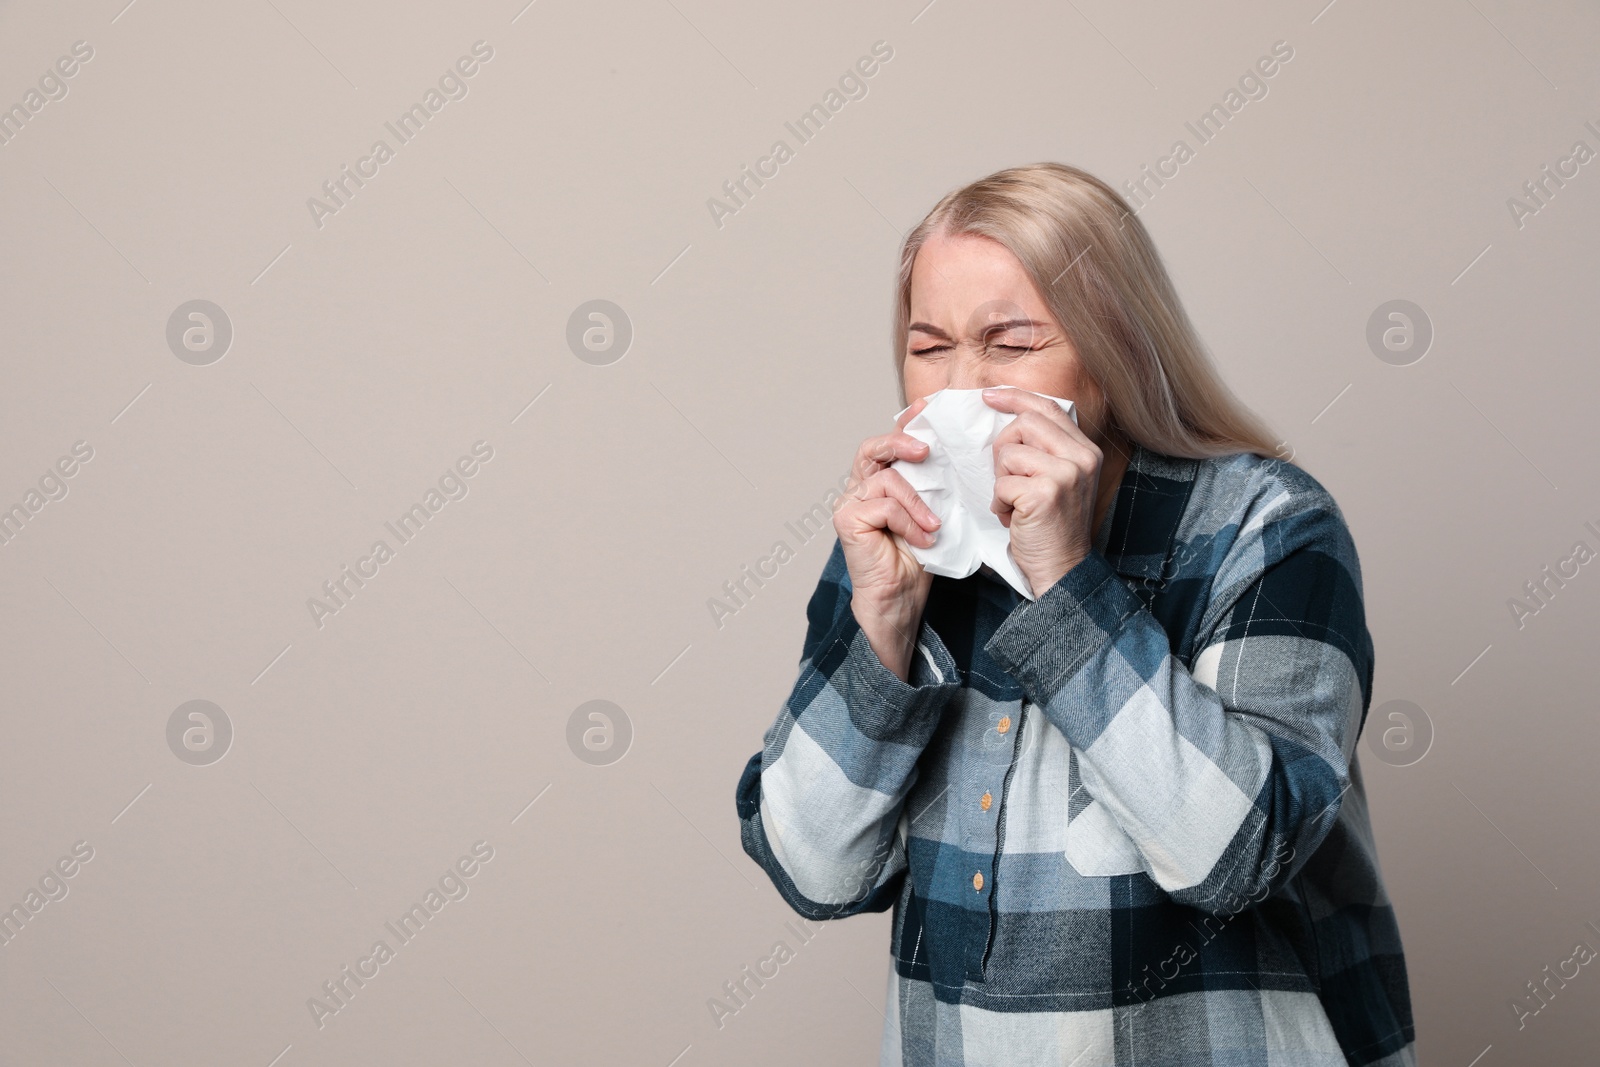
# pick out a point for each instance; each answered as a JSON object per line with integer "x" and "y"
{"x": 349, "y": 358}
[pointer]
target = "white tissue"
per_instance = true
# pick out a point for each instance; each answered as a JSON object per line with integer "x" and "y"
{"x": 956, "y": 481}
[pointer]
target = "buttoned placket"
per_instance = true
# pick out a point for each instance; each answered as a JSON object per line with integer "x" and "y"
{"x": 997, "y": 756}
{"x": 985, "y": 802}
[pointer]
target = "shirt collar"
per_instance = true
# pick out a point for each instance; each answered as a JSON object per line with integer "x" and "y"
{"x": 1139, "y": 533}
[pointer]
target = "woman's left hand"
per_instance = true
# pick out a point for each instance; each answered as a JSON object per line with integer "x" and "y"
{"x": 1047, "y": 478}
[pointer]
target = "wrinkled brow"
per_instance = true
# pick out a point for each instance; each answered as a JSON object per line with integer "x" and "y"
{"x": 993, "y": 327}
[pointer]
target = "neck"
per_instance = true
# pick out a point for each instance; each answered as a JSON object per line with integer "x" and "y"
{"x": 1115, "y": 453}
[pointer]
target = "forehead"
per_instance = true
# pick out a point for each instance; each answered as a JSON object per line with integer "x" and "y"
{"x": 953, "y": 275}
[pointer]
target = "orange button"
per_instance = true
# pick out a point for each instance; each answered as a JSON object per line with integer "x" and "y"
{"x": 985, "y": 801}
{"x": 1004, "y": 724}
{"x": 977, "y": 881}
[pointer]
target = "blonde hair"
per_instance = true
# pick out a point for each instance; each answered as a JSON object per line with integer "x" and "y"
{"x": 1098, "y": 270}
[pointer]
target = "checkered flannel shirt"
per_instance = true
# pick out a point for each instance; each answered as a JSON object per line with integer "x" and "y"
{"x": 1123, "y": 824}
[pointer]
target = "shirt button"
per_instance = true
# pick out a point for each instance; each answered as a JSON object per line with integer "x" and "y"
{"x": 1004, "y": 723}
{"x": 985, "y": 801}
{"x": 977, "y": 881}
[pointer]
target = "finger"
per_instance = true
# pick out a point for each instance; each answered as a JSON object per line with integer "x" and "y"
{"x": 1015, "y": 399}
{"x": 896, "y": 486}
{"x": 1009, "y": 492}
{"x": 1039, "y": 419}
{"x": 911, "y": 412}
{"x": 1056, "y": 434}
{"x": 1029, "y": 495}
{"x": 890, "y": 483}
{"x": 876, "y": 453}
{"x": 1025, "y": 460}
{"x": 1028, "y": 478}
{"x": 1058, "y": 458}
{"x": 887, "y": 513}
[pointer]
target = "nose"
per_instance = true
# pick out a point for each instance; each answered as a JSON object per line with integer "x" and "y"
{"x": 967, "y": 369}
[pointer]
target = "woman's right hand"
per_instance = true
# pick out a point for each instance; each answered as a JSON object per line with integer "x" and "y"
{"x": 889, "y": 586}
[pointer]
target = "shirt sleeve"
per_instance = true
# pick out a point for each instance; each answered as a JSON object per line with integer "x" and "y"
{"x": 1226, "y": 776}
{"x": 821, "y": 805}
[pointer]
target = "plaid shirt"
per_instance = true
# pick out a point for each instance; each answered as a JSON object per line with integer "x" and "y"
{"x": 1123, "y": 824}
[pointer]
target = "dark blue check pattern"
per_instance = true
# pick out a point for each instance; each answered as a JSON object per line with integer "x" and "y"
{"x": 1123, "y": 824}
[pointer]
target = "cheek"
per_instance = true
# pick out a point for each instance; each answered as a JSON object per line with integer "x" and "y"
{"x": 1090, "y": 403}
{"x": 919, "y": 379}
{"x": 1069, "y": 383}
{"x": 1090, "y": 396}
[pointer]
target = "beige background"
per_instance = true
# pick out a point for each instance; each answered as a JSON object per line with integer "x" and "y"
{"x": 369, "y": 354}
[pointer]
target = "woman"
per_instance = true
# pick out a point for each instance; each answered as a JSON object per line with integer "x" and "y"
{"x": 1121, "y": 823}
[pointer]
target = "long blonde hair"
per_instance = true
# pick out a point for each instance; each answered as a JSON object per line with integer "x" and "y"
{"x": 1098, "y": 270}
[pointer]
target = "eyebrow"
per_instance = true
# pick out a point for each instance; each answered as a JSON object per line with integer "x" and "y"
{"x": 993, "y": 327}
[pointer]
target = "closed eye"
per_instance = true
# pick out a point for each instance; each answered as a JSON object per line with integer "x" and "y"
{"x": 942, "y": 348}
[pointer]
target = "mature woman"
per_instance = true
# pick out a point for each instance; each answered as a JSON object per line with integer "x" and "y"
{"x": 1123, "y": 822}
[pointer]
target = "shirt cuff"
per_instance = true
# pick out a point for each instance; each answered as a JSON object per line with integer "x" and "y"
{"x": 1044, "y": 642}
{"x": 882, "y": 706}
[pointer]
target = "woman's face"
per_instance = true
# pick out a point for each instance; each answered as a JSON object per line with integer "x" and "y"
{"x": 978, "y": 320}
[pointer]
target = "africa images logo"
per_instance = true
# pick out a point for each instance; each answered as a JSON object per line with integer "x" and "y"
{"x": 339, "y": 190}
{"x": 452, "y": 885}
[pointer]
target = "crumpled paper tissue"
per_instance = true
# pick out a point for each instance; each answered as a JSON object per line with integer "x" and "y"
{"x": 956, "y": 481}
